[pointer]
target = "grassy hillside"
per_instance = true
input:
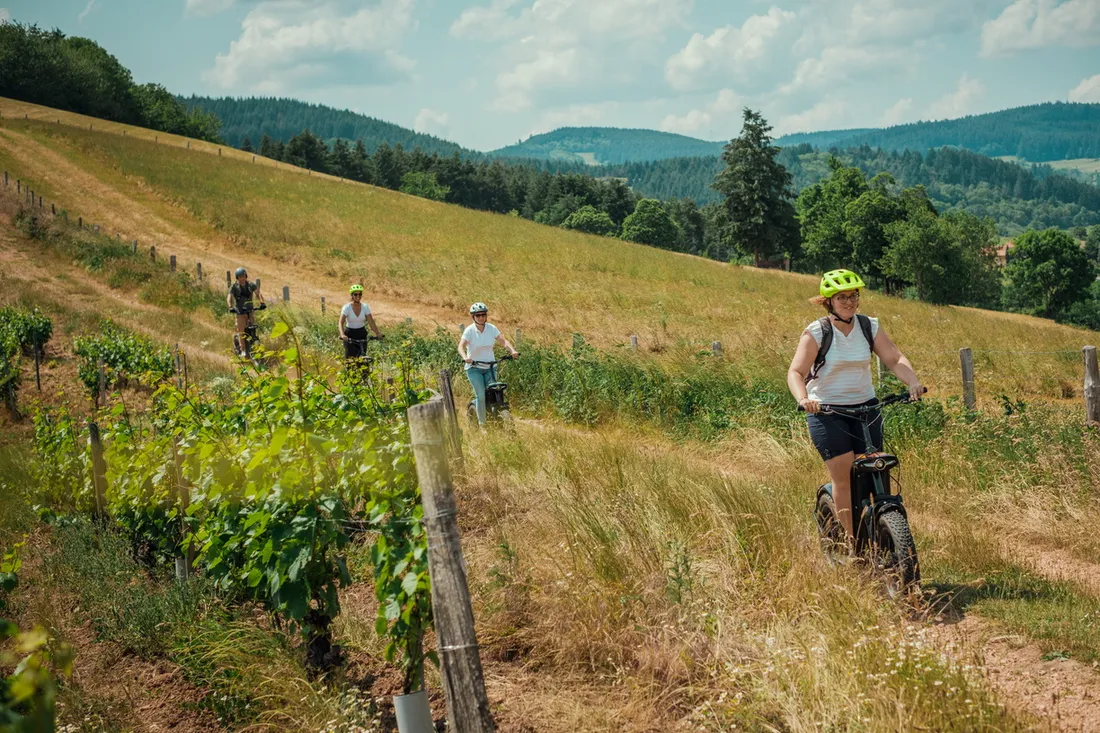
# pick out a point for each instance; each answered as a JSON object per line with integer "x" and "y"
{"x": 434, "y": 259}
{"x": 625, "y": 577}
{"x": 608, "y": 146}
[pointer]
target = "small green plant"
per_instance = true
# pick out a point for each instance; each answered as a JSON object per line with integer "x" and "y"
{"x": 28, "y": 694}
{"x": 127, "y": 359}
{"x": 29, "y": 328}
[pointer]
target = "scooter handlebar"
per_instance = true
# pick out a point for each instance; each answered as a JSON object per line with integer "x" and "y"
{"x": 891, "y": 400}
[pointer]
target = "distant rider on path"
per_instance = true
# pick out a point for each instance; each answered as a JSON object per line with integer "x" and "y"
{"x": 476, "y": 345}
{"x": 354, "y": 319}
{"x": 239, "y": 300}
{"x": 832, "y": 366}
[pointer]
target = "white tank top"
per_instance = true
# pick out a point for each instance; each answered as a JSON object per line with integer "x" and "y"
{"x": 845, "y": 378}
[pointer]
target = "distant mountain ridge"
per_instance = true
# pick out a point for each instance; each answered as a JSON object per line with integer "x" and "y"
{"x": 1036, "y": 133}
{"x": 608, "y": 146}
{"x": 282, "y": 119}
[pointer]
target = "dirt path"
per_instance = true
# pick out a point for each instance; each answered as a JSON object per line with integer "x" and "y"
{"x": 1063, "y": 693}
{"x": 116, "y": 211}
{"x": 1056, "y": 565}
{"x": 88, "y": 295}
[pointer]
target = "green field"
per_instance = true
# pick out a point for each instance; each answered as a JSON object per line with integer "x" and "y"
{"x": 630, "y": 570}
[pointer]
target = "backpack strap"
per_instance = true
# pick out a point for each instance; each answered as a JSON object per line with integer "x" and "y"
{"x": 822, "y": 348}
{"x": 868, "y": 332}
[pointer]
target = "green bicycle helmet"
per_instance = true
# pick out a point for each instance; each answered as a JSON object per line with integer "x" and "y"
{"x": 355, "y": 289}
{"x": 836, "y": 281}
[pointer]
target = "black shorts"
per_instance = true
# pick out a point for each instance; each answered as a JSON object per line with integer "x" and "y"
{"x": 356, "y": 345}
{"x": 835, "y": 435}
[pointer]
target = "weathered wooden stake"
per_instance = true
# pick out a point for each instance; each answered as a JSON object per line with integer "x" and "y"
{"x": 1092, "y": 386}
{"x": 80, "y": 222}
{"x": 322, "y": 305}
{"x": 518, "y": 334}
{"x": 286, "y": 293}
{"x": 171, "y": 263}
{"x": 219, "y": 152}
{"x": 454, "y": 432}
{"x": 37, "y": 376}
{"x": 133, "y": 246}
{"x": 228, "y": 279}
{"x": 53, "y": 209}
{"x": 408, "y": 320}
{"x": 153, "y": 252}
{"x": 198, "y": 271}
{"x": 99, "y": 470}
{"x": 966, "y": 358}
{"x": 188, "y": 144}
{"x": 634, "y": 343}
{"x": 463, "y": 679}
{"x": 716, "y": 348}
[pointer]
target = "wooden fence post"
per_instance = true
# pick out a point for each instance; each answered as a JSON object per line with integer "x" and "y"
{"x": 99, "y": 470}
{"x": 454, "y": 433}
{"x": 716, "y": 348}
{"x": 463, "y": 679}
{"x": 133, "y": 246}
{"x": 80, "y": 222}
{"x": 966, "y": 358}
{"x": 198, "y": 271}
{"x": 171, "y": 263}
{"x": 37, "y": 375}
{"x": 1092, "y": 386}
{"x": 322, "y": 305}
{"x": 153, "y": 252}
{"x": 518, "y": 333}
{"x": 634, "y": 343}
{"x": 286, "y": 293}
{"x": 228, "y": 279}
{"x": 53, "y": 209}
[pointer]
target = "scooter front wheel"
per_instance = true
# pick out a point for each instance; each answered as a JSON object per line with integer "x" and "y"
{"x": 896, "y": 554}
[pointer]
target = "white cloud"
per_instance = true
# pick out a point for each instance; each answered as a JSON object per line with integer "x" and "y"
{"x": 898, "y": 113}
{"x": 959, "y": 102}
{"x": 837, "y": 64}
{"x": 1029, "y": 24}
{"x": 724, "y": 111}
{"x": 432, "y": 122}
{"x": 728, "y": 50}
{"x": 1087, "y": 91}
{"x": 201, "y": 8}
{"x": 286, "y": 43}
{"x": 5, "y": 16}
{"x": 577, "y": 45}
{"x": 819, "y": 117}
{"x": 86, "y": 11}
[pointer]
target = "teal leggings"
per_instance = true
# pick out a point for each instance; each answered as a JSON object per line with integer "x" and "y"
{"x": 478, "y": 379}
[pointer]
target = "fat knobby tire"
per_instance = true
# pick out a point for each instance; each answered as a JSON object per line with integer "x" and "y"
{"x": 906, "y": 572}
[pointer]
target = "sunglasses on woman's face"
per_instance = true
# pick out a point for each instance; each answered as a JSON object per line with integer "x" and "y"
{"x": 481, "y": 315}
{"x": 357, "y": 295}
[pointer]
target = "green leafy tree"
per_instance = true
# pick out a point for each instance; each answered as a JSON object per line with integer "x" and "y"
{"x": 1092, "y": 244}
{"x": 650, "y": 224}
{"x": 267, "y": 147}
{"x": 1047, "y": 274}
{"x": 423, "y": 185}
{"x": 689, "y": 219}
{"x": 757, "y": 191}
{"x": 822, "y": 214}
{"x": 591, "y": 220}
{"x": 246, "y": 146}
{"x": 307, "y": 151}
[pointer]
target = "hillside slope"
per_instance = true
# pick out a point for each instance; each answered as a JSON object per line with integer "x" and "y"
{"x": 607, "y": 145}
{"x": 429, "y": 260}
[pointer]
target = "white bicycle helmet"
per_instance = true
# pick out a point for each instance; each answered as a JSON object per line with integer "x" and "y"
{"x": 478, "y": 308}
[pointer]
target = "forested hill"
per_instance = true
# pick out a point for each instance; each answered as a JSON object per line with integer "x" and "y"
{"x": 1014, "y": 196}
{"x": 282, "y": 119}
{"x": 1037, "y": 133}
{"x": 608, "y": 145}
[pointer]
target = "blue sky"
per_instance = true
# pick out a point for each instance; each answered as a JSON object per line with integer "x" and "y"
{"x": 487, "y": 73}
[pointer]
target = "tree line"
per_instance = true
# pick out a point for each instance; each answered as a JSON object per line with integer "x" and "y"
{"x": 78, "y": 75}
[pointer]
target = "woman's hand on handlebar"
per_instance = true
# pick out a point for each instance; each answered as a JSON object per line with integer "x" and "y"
{"x": 468, "y": 360}
{"x": 916, "y": 391}
{"x": 808, "y": 405}
{"x": 515, "y": 354}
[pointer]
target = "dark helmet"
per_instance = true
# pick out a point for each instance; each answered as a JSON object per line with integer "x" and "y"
{"x": 240, "y": 271}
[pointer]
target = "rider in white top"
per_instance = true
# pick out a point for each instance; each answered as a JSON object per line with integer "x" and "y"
{"x": 843, "y": 379}
{"x": 476, "y": 345}
{"x": 354, "y": 319}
